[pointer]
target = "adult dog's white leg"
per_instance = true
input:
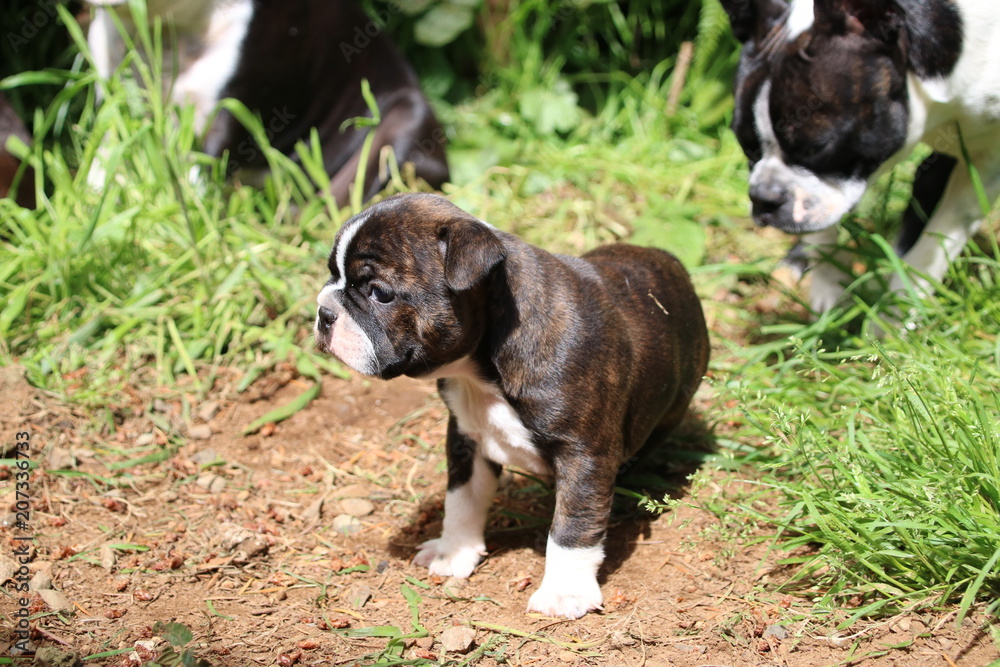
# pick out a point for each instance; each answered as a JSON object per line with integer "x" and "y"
{"x": 828, "y": 280}
{"x": 956, "y": 219}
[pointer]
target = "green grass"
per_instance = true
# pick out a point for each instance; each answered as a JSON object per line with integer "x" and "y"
{"x": 884, "y": 455}
{"x": 150, "y": 272}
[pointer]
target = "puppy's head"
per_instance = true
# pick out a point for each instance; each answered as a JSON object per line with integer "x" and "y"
{"x": 821, "y": 103}
{"x": 404, "y": 294}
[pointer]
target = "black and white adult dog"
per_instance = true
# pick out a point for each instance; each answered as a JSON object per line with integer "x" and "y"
{"x": 559, "y": 365}
{"x": 299, "y": 64}
{"x": 830, "y": 93}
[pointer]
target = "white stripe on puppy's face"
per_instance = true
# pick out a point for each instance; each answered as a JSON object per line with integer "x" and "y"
{"x": 344, "y": 337}
{"x": 344, "y": 240}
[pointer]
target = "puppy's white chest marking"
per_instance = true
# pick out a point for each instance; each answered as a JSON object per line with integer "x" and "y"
{"x": 484, "y": 415}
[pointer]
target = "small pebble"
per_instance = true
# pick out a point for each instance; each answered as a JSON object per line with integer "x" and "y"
{"x": 776, "y": 631}
{"x": 346, "y": 524}
{"x": 208, "y": 410}
{"x": 358, "y": 595}
{"x": 212, "y": 483}
{"x": 200, "y": 432}
{"x": 41, "y": 581}
{"x": 358, "y": 507}
{"x": 457, "y": 639}
{"x": 108, "y": 557}
{"x": 205, "y": 456}
{"x": 351, "y": 491}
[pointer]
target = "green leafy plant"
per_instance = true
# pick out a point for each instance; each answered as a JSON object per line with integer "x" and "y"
{"x": 392, "y": 653}
{"x": 178, "y": 653}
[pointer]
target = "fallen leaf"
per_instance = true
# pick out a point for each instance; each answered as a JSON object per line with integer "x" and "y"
{"x": 56, "y": 600}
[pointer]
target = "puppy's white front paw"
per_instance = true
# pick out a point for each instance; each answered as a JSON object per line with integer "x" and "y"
{"x": 572, "y": 603}
{"x": 449, "y": 560}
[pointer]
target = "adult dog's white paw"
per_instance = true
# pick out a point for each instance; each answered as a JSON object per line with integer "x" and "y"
{"x": 826, "y": 290}
{"x": 551, "y": 601}
{"x": 448, "y": 560}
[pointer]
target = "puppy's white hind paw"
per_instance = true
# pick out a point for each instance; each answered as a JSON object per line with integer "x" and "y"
{"x": 551, "y": 601}
{"x": 448, "y": 560}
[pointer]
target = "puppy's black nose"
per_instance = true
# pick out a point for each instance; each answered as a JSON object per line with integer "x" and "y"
{"x": 325, "y": 317}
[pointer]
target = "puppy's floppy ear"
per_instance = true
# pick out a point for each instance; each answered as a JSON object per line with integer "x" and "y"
{"x": 471, "y": 251}
{"x": 753, "y": 19}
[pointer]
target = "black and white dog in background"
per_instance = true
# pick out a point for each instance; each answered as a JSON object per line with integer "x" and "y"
{"x": 831, "y": 93}
{"x": 287, "y": 61}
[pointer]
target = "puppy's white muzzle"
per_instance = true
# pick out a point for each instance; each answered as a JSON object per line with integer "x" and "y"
{"x": 337, "y": 333}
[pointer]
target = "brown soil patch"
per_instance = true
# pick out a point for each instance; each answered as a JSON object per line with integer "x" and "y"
{"x": 233, "y": 536}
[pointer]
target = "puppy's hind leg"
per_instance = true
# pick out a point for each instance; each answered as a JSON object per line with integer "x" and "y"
{"x": 472, "y": 483}
{"x": 575, "y": 548}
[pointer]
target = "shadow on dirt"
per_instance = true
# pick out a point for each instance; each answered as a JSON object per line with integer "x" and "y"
{"x": 523, "y": 509}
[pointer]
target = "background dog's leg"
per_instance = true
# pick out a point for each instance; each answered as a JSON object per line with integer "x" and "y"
{"x": 575, "y": 548}
{"x": 827, "y": 277}
{"x": 954, "y": 222}
{"x": 472, "y": 483}
{"x": 11, "y": 126}
{"x": 409, "y": 128}
{"x": 203, "y": 83}
{"x": 107, "y": 49}
{"x": 929, "y": 185}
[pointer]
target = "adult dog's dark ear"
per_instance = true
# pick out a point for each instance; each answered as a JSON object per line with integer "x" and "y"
{"x": 753, "y": 19}
{"x": 471, "y": 251}
{"x": 878, "y": 18}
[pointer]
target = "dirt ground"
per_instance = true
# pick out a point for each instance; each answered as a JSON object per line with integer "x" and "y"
{"x": 293, "y": 545}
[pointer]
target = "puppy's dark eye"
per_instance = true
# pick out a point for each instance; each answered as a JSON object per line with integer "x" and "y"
{"x": 381, "y": 294}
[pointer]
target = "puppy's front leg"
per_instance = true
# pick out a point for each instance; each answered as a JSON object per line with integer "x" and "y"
{"x": 472, "y": 482}
{"x": 575, "y": 548}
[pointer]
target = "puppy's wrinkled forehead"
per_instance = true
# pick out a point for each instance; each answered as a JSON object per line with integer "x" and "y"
{"x": 398, "y": 237}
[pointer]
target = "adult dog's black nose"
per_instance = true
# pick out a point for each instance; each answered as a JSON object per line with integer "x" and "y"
{"x": 325, "y": 317}
{"x": 767, "y": 198}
